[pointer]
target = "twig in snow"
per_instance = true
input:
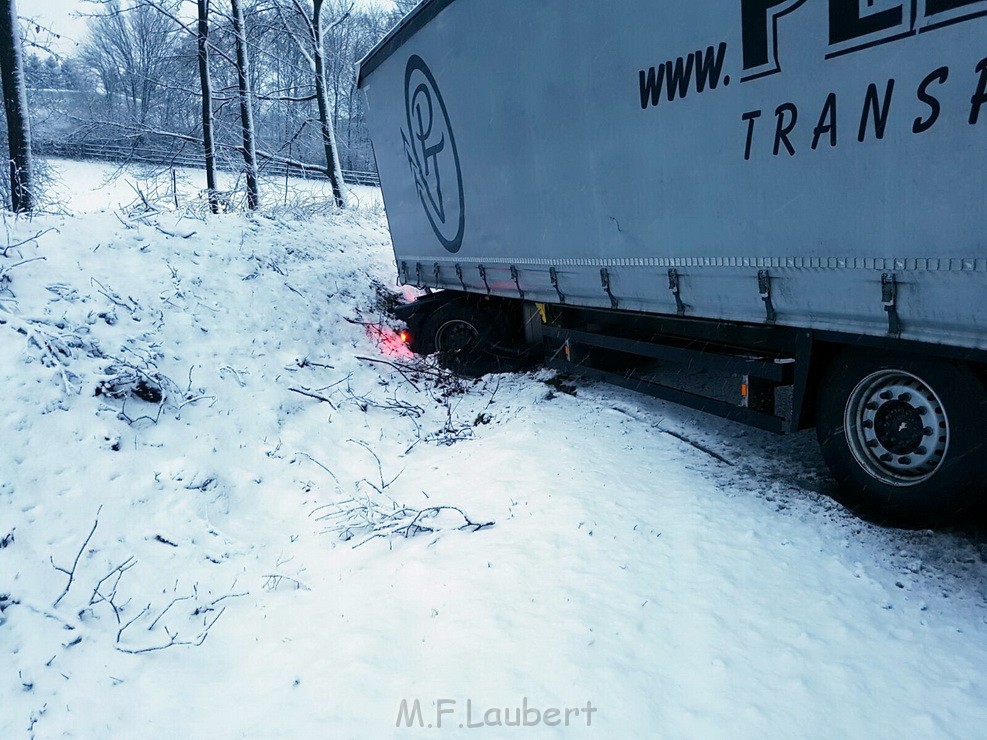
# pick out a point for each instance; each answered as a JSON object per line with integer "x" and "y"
{"x": 306, "y": 455}
{"x": 123, "y": 627}
{"x": 494, "y": 394}
{"x": 315, "y": 396}
{"x": 173, "y": 233}
{"x": 380, "y": 466}
{"x": 40, "y": 611}
{"x": 402, "y": 408}
{"x": 53, "y": 346}
{"x": 235, "y": 373}
{"x": 435, "y": 511}
{"x": 118, "y": 572}
{"x": 274, "y": 581}
{"x": 190, "y": 401}
{"x": 173, "y": 640}
{"x": 140, "y": 194}
{"x": 305, "y": 362}
{"x": 403, "y": 370}
{"x": 210, "y": 606}
{"x": 408, "y": 522}
{"x": 173, "y": 602}
{"x": 75, "y": 563}
{"x": 8, "y": 268}
{"x": 113, "y": 297}
{"x": 4, "y": 250}
{"x": 124, "y": 416}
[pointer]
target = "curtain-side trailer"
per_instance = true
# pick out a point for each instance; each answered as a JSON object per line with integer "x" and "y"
{"x": 790, "y": 192}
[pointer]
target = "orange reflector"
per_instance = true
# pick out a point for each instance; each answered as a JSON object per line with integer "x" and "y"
{"x": 744, "y": 390}
{"x": 405, "y": 337}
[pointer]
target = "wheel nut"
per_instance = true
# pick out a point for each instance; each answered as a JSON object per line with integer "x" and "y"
{"x": 927, "y": 432}
{"x": 905, "y": 397}
{"x": 904, "y": 461}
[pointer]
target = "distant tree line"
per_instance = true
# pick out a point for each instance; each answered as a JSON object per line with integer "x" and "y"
{"x": 246, "y": 84}
{"x": 52, "y": 73}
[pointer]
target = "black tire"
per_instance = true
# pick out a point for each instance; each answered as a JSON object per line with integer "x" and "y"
{"x": 465, "y": 339}
{"x": 904, "y": 436}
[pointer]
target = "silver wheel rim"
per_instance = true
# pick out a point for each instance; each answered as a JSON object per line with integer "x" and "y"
{"x": 461, "y": 333}
{"x": 897, "y": 428}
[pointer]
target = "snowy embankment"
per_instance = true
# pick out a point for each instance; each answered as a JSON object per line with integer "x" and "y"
{"x": 206, "y": 423}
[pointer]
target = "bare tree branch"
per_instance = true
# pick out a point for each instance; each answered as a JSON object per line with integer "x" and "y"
{"x": 75, "y": 563}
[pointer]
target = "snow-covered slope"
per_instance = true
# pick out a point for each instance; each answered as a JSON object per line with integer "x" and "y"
{"x": 685, "y": 576}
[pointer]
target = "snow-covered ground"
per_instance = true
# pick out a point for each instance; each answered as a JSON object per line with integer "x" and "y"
{"x": 684, "y": 575}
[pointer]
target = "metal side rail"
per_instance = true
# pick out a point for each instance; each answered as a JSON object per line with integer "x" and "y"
{"x": 778, "y": 373}
{"x": 757, "y": 419}
{"x": 759, "y": 367}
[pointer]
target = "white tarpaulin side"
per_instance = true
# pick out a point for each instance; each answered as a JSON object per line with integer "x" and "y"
{"x": 830, "y": 154}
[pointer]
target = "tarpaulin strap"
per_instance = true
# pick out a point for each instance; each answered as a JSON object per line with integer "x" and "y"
{"x": 764, "y": 287}
{"x": 554, "y": 275}
{"x": 675, "y": 286}
{"x": 889, "y": 296}
{"x": 605, "y": 279}
{"x": 517, "y": 281}
{"x": 459, "y": 274}
{"x": 483, "y": 274}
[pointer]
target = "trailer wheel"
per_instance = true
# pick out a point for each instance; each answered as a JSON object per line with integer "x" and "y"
{"x": 903, "y": 436}
{"x": 465, "y": 339}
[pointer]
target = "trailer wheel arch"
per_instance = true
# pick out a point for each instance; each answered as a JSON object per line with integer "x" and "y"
{"x": 495, "y": 322}
{"x": 805, "y": 409}
{"x": 823, "y": 352}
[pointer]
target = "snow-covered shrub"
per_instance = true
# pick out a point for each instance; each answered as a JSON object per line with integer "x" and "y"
{"x": 44, "y": 177}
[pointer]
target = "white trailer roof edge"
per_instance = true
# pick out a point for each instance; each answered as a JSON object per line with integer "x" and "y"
{"x": 421, "y": 16}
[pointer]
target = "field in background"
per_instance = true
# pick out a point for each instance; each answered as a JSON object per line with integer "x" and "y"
{"x": 85, "y": 187}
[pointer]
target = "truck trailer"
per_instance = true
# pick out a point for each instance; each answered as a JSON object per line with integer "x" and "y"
{"x": 791, "y": 194}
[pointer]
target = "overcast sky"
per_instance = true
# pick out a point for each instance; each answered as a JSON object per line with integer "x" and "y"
{"x": 59, "y": 16}
{"x": 62, "y": 17}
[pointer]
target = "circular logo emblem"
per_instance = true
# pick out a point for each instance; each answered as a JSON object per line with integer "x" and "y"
{"x": 430, "y": 147}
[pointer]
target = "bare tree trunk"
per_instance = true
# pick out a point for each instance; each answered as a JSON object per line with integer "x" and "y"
{"x": 207, "y": 115}
{"x": 333, "y": 169}
{"x": 349, "y": 126}
{"x": 15, "y": 107}
{"x": 246, "y": 106}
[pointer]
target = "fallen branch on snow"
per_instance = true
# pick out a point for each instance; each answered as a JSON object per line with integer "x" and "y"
{"x": 273, "y": 581}
{"x": 54, "y": 346}
{"x": 408, "y": 522}
{"x": 75, "y": 563}
{"x": 316, "y": 396}
{"x": 4, "y": 250}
